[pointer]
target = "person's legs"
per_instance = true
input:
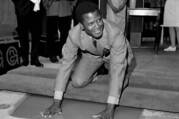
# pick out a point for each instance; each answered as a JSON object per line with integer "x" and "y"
{"x": 23, "y": 32}
{"x": 52, "y": 36}
{"x": 64, "y": 27}
{"x": 35, "y": 28}
{"x": 85, "y": 69}
{"x": 172, "y": 35}
{"x": 177, "y": 34}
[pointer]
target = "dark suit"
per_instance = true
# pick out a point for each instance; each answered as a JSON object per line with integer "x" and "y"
{"x": 28, "y": 22}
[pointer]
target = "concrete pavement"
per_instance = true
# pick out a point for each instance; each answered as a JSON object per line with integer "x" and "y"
{"x": 16, "y": 105}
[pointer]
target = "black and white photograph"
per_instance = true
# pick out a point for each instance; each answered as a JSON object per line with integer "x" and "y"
{"x": 89, "y": 59}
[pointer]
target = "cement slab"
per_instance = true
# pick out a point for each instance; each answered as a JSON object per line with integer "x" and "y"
{"x": 72, "y": 109}
{"x": 16, "y": 105}
{"x": 9, "y": 101}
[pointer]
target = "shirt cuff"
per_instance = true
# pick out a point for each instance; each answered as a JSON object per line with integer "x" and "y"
{"x": 113, "y": 100}
{"x": 58, "y": 95}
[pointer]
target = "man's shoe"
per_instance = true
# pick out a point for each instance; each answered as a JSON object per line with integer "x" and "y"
{"x": 36, "y": 63}
{"x": 53, "y": 59}
{"x": 170, "y": 48}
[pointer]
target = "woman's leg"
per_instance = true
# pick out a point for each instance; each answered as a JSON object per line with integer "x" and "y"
{"x": 177, "y": 34}
{"x": 172, "y": 36}
{"x": 64, "y": 25}
{"x": 52, "y": 37}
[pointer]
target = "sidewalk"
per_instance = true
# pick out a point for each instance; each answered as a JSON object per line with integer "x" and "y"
{"x": 16, "y": 105}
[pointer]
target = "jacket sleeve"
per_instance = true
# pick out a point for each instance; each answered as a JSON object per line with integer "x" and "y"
{"x": 69, "y": 56}
{"x": 118, "y": 63}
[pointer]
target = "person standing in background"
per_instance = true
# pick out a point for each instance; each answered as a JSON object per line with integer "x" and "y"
{"x": 59, "y": 17}
{"x": 29, "y": 16}
{"x": 116, "y": 12}
{"x": 171, "y": 20}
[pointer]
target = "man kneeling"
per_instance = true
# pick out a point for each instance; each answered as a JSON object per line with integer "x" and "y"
{"x": 100, "y": 41}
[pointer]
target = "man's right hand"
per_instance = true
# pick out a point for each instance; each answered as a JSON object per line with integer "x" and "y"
{"x": 55, "y": 108}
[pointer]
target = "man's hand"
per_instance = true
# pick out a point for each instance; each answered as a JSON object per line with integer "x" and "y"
{"x": 107, "y": 113}
{"x": 55, "y": 108}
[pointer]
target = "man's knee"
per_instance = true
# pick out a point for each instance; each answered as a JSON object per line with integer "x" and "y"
{"x": 78, "y": 83}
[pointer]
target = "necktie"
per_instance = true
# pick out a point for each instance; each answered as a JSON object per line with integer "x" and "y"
{"x": 95, "y": 43}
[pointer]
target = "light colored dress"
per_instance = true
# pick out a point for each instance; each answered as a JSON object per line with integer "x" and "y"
{"x": 171, "y": 13}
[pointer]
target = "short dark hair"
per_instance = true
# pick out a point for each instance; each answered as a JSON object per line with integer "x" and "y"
{"x": 83, "y": 8}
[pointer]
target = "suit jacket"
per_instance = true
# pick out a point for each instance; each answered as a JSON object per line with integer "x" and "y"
{"x": 23, "y": 7}
{"x": 113, "y": 39}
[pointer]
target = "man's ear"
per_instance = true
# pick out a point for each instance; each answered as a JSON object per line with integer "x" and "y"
{"x": 82, "y": 27}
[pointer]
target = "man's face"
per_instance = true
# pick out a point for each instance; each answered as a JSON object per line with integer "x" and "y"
{"x": 93, "y": 24}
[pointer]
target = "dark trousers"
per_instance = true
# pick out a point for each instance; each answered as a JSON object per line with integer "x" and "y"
{"x": 30, "y": 24}
{"x": 55, "y": 23}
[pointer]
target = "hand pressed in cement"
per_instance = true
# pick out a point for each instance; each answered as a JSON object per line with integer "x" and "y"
{"x": 107, "y": 113}
{"x": 53, "y": 110}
